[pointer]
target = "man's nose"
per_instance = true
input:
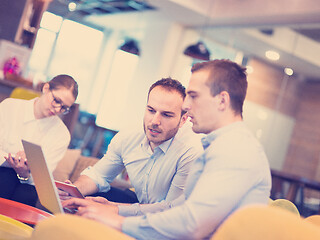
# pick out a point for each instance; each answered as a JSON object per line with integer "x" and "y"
{"x": 156, "y": 120}
{"x": 185, "y": 105}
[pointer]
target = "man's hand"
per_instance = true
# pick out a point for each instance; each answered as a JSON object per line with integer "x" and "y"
{"x": 101, "y": 200}
{"x": 64, "y": 195}
{"x": 104, "y": 213}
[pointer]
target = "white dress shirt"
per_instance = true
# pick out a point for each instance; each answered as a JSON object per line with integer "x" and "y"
{"x": 17, "y": 121}
{"x": 232, "y": 172}
{"x": 155, "y": 176}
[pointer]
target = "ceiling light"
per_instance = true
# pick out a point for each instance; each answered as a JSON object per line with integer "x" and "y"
{"x": 272, "y": 55}
{"x": 72, "y": 6}
{"x": 198, "y": 51}
{"x": 267, "y": 31}
{"x": 130, "y": 46}
{"x": 249, "y": 69}
{"x": 288, "y": 71}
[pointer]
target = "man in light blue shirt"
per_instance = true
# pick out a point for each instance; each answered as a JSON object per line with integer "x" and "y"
{"x": 156, "y": 158}
{"x": 232, "y": 172}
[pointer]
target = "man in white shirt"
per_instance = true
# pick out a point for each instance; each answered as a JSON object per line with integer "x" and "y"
{"x": 157, "y": 158}
{"x": 232, "y": 172}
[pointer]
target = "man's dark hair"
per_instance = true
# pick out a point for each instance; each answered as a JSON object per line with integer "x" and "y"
{"x": 225, "y": 75}
{"x": 170, "y": 85}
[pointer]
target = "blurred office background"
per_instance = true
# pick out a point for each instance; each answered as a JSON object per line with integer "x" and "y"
{"x": 116, "y": 49}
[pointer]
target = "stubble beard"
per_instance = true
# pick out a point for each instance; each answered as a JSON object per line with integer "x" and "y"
{"x": 171, "y": 133}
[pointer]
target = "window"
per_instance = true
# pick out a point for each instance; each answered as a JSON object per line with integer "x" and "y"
{"x": 49, "y": 27}
{"x": 66, "y": 47}
{"x": 42, "y": 50}
{"x": 112, "y": 112}
{"x": 76, "y": 54}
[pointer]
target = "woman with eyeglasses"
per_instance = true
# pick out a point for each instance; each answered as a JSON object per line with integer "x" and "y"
{"x": 37, "y": 121}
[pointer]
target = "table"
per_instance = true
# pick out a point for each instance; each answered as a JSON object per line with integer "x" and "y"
{"x": 22, "y": 212}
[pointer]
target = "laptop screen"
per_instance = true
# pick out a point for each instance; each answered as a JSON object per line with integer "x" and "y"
{"x": 42, "y": 177}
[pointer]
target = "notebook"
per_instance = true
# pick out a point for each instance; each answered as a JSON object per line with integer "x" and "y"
{"x": 42, "y": 177}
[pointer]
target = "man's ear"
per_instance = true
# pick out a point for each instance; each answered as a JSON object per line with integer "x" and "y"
{"x": 224, "y": 100}
{"x": 46, "y": 88}
{"x": 183, "y": 119}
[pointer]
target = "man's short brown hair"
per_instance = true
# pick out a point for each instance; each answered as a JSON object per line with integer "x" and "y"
{"x": 228, "y": 76}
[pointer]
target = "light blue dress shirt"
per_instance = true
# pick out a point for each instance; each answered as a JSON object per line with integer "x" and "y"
{"x": 232, "y": 172}
{"x": 156, "y": 176}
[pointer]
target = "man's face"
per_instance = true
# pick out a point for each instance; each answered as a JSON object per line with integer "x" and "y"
{"x": 201, "y": 106}
{"x": 162, "y": 117}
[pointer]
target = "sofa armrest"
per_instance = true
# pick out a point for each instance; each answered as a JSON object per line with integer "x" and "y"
{"x": 82, "y": 163}
{"x": 66, "y": 165}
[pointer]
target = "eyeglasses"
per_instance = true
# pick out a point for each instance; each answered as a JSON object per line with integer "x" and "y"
{"x": 58, "y": 104}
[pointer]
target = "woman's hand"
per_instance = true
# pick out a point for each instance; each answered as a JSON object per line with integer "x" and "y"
{"x": 19, "y": 164}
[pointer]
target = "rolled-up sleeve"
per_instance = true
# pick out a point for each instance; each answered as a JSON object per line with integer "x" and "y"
{"x": 108, "y": 167}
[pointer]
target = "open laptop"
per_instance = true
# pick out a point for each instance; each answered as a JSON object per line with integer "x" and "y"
{"x": 42, "y": 177}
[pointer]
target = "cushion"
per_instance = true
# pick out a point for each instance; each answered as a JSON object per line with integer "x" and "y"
{"x": 68, "y": 227}
{"x": 82, "y": 164}
{"x": 13, "y": 229}
{"x": 286, "y": 205}
{"x": 315, "y": 219}
{"x": 66, "y": 165}
{"x": 24, "y": 93}
{"x": 267, "y": 223}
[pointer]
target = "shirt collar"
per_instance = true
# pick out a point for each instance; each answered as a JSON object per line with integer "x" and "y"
{"x": 163, "y": 146}
{"x": 29, "y": 112}
{"x": 208, "y": 139}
